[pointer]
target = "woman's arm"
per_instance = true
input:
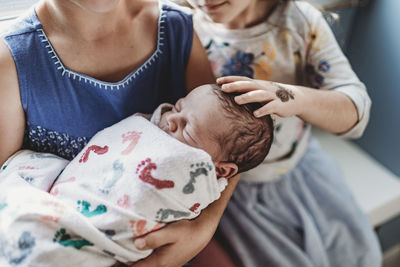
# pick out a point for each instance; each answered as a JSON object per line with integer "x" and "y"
{"x": 198, "y": 71}
{"x": 12, "y": 118}
{"x": 180, "y": 241}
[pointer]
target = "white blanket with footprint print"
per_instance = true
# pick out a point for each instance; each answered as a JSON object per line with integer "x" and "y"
{"x": 130, "y": 179}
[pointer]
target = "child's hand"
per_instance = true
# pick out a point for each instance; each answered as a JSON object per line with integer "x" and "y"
{"x": 280, "y": 99}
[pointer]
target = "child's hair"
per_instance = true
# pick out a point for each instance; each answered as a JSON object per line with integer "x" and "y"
{"x": 248, "y": 140}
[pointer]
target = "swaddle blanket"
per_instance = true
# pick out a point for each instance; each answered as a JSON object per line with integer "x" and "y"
{"x": 130, "y": 179}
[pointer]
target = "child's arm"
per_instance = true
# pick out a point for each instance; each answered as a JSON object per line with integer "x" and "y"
{"x": 12, "y": 118}
{"x": 341, "y": 104}
{"x": 329, "y": 110}
{"x": 180, "y": 241}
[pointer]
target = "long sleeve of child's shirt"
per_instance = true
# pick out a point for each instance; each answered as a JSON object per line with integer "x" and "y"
{"x": 328, "y": 69}
{"x": 295, "y": 45}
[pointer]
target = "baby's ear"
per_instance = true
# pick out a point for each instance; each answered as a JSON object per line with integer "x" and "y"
{"x": 225, "y": 169}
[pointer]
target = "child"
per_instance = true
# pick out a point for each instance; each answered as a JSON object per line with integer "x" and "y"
{"x": 130, "y": 179}
{"x": 294, "y": 209}
{"x": 70, "y": 68}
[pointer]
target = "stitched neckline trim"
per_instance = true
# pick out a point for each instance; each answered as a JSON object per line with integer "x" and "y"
{"x": 102, "y": 84}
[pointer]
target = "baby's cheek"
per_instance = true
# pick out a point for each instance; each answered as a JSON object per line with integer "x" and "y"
{"x": 163, "y": 125}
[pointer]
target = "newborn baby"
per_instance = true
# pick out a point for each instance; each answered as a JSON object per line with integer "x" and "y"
{"x": 130, "y": 179}
{"x": 209, "y": 119}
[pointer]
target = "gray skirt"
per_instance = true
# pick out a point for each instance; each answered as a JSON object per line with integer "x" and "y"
{"x": 307, "y": 217}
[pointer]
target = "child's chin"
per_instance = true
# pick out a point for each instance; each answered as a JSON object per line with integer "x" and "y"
{"x": 217, "y": 18}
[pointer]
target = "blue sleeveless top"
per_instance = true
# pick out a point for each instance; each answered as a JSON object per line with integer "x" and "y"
{"x": 64, "y": 109}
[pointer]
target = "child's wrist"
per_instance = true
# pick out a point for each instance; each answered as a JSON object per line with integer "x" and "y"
{"x": 302, "y": 99}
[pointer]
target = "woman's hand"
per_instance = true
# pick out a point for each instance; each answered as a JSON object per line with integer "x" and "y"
{"x": 177, "y": 243}
{"x": 277, "y": 98}
{"x": 180, "y": 241}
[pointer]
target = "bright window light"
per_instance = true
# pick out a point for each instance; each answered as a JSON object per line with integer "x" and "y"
{"x": 10, "y": 9}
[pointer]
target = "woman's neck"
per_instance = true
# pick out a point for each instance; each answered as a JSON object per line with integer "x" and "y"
{"x": 73, "y": 20}
{"x": 97, "y": 44}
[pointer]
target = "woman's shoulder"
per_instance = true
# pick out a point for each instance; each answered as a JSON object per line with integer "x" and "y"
{"x": 8, "y": 80}
{"x": 6, "y": 62}
{"x": 12, "y": 120}
{"x": 24, "y": 24}
{"x": 174, "y": 7}
{"x": 175, "y": 12}
{"x": 178, "y": 21}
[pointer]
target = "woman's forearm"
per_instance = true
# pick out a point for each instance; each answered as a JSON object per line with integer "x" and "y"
{"x": 215, "y": 210}
{"x": 180, "y": 241}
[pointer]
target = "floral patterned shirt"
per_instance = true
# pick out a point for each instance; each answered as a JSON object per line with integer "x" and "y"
{"x": 295, "y": 45}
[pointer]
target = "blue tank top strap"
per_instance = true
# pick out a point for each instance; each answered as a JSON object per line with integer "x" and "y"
{"x": 64, "y": 108}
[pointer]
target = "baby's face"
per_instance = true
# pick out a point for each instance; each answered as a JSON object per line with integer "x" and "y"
{"x": 196, "y": 119}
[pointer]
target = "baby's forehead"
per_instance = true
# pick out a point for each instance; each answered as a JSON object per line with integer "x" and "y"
{"x": 200, "y": 97}
{"x": 205, "y": 89}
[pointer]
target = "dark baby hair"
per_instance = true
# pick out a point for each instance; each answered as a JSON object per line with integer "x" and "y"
{"x": 248, "y": 139}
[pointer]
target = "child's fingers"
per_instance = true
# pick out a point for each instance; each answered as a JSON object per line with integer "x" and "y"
{"x": 267, "y": 109}
{"x": 260, "y": 96}
{"x": 229, "y": 79}
{"x": 240, "y": 87}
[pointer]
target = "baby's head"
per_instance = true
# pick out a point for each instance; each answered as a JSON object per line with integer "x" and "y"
{"x": 209, "y": 119}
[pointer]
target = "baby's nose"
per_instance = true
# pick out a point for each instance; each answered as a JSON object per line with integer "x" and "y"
{"x": 172, "y": 125}
{"x": 175, "y": 121}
